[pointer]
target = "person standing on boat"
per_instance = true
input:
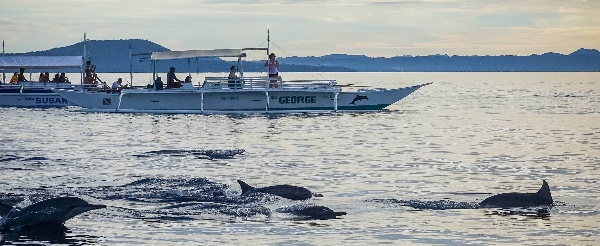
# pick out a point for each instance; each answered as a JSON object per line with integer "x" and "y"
{"x": 272, "y": 64}
{"x": 171, "y": 79}
{"x": 90, "y": 73}
{"x": 21, "y": 77}
{"x": 232, "y": 79}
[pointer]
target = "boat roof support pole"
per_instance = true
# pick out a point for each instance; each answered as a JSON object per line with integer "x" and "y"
{"x": 202, "y": 102}
{"x": 81, "y": 74}
{"x": 153, "y": 71}
{"x": 3, "y": 74}
{"x": 189, "y": 67}
{"x": 335, "y": 102}
{"x": 130, "y": 66}
{"x": 240, "y": 68}
{"x": 267, "y": 106}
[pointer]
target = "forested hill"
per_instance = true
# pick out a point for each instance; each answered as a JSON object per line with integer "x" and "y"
{"x": 113, "y": 56}
{"x": 582, "y": 60}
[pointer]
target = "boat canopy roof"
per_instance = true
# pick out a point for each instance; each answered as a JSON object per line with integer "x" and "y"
{"x": 169, "y": 55}
{"x": 9, "y": 62}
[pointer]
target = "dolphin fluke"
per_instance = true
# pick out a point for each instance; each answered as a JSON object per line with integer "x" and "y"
{"x": 506, "y": 200}
{"x": 51, "y": 211}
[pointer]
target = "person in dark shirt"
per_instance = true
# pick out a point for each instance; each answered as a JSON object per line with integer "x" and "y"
{"x": 56, "y": 78}
{"x": 171, "y": 78}
{"x": 21, "y": 75}
{"x": 232, "y": 80}
{"x": 63, "y": 78}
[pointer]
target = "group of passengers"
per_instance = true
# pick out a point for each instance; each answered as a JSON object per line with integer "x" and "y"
{"x": 44, "y": 77}
{"x": 233, "y": 81}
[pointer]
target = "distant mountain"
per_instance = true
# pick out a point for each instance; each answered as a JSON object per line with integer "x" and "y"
{"x": 586, "y": 52}
{"x": 113, "y": 56}
{"x": 587, "y": 60}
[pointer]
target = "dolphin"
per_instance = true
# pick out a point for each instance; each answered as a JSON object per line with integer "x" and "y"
{"x": 319, "y": 213}
{"x": 506, "y": 200}
{"x": 358, "y": 98}
{"x": 51, "y": 211}
{"x": 286, "y": 191}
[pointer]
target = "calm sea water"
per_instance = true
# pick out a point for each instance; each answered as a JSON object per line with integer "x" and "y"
{"x": 463, "y": 138}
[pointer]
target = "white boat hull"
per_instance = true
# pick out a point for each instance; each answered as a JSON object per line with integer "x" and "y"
{"x": 33, "y": 95}
{"x": 212, "y": 101}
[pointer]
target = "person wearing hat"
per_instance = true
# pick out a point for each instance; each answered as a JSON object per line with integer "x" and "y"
{"x": 171, "y": 78}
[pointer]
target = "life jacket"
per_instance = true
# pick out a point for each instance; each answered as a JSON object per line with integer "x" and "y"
{"x": 14, "y": 79}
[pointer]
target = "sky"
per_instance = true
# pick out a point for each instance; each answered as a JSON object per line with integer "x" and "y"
{"x": 379, "y": 28}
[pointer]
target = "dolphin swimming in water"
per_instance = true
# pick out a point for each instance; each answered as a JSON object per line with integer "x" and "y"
{"x": 51, "y": 211}
{"x": 319, "y": 213}
{"x": 285, "y": 191}
{"x": 506, "y": 200}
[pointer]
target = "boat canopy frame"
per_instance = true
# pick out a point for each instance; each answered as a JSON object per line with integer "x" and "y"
{"x": 190, "y": 54}
{"x": 41, "y": 62}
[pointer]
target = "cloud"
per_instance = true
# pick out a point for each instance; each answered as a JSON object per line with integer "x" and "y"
{"x": 335, "y": 26}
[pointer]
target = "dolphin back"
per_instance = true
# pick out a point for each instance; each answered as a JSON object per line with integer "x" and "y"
{"x": 542, "y": 197}
{"x": 319, "y": 213}
{"x": 245, "y": 187}
{"x": 287, "y": 191}
{"x": 54, "y": 210}
{"x": 544, "y": 194}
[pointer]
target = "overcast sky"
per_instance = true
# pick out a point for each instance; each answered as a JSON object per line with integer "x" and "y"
{"x": 311, "y": 28}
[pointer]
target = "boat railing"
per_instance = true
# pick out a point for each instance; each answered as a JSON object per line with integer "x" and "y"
{"x": 29, "y": 84}
{"x": 264, "y": 82}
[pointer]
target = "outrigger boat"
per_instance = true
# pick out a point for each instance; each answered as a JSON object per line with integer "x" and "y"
{"x": 33, "y": 93}
{"x": 215, "y": 95}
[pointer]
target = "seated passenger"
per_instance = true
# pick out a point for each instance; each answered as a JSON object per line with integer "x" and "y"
{"x": 46, "y": 77}
{"x": 14, "y": 79}
{"x": 232, "y": 80}
{"x": 21, "y": 75}
{"x": 63, "y": 78}
{"x": 158, "y": 84}
{"x": 116, "y": 86}
{"x": 171, "y": 78}
{"x": 42, "y": 78}
{"x": 56, "y": 78}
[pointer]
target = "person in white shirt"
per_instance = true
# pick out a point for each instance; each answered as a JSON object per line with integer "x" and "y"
{"x": 116, "y": 86}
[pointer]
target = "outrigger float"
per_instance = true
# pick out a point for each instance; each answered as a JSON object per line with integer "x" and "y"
{"x": 217, "y": 95}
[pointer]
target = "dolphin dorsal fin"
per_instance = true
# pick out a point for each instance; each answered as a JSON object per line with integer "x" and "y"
{"x": 544, "y": 192}
{"x": 245, "y": 187}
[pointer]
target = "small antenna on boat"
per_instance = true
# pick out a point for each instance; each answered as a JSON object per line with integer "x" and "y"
{"x": 3, "y": 75}
{"x": 268, "y": 41}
